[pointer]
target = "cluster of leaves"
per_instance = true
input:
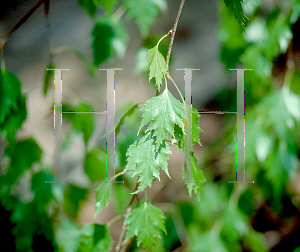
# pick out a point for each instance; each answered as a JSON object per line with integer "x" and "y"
{"x": 47, "y": 217}
{"x": 167, "y": 117}
{"x": 22, "y": 158}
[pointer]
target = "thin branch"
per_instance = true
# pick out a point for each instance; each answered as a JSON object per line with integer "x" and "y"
{"x": 121, "y": 237}
{"x": 113, "y": 220}
{"x": 119, "y": 245}
{"x": 23, "y": 20}
{"x": 172, "y": 32}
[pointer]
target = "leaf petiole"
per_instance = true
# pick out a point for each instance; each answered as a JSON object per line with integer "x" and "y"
{"x": 170, "y": 78}
{"x": 162, "y": 39}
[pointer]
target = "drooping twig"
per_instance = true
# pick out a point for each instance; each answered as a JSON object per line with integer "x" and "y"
{"x": 24, "y": 19}
{"x": 172, "y": 32}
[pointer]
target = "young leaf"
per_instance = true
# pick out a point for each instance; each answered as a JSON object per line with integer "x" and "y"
{"x": 145, "y": 161}
{"x": 235, "y": 6}
{"x": 103, "y": 191}
{"x": 157, "y": 65}
{"x": 145, "y": 222}
{"x": 165, "y": 111}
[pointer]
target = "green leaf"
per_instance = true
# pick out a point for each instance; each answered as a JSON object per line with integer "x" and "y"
{"x": 49, "y": 74}
{"x": 42, "y": 190}
{"x": 145, "y": 161}
{"x": 195, "y": 127}
{"x": 90, "y": 6}
{"x": 102, "y": 239}
{"x": 120, "y": 40}
{"x": 103, "y": 34}
{"x": 23, "y": 155}
{"x": 165, "y": 111}
{"x": 282, "y": 111}
{"x": 146, "y": 223}
{"x": 103, "y": 191}
{"x": 94, "y": 237}
{"x": 122, "y": 196}
{"x": 206, "y": 242}
{"x": 108, "y": 5}
{"x": 157, "y": 66}
{"x": 255, "y": 242}
{"x": 178, "y": 133}
{"x": 121, "y": 121}
{"x": 67, "y": 236}
{"x": 143, "y": 12}
{"x": 74, "y": 196}
{"x": 278, "y": 37}
{"x": 81, "y": 122}
{"x": 95, "y": 165}
{"x": 12, "y": 104}
{"x": 109, "y": 38}
{"x": 29, "y": 220}
{"x": 235, "y": 6}
{"x": 197, "y": 176}
{"x": 86, "y": 238}
{"x": 236, "y": 225}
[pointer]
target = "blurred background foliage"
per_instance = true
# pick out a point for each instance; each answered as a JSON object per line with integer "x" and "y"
{"x": 264, "y": 216}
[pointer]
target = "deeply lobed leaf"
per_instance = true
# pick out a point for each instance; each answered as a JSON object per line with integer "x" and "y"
{"x": 145, "y": 222}
{"x": 145, "y": 161}
{"x": 165, "y": 111}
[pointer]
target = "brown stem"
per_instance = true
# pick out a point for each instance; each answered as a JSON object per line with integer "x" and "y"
{"x": 172, "y": 32}
{"x": 119, "y": 245}
{"x": 121, "y": 237}
{"x": 24, "y": 19}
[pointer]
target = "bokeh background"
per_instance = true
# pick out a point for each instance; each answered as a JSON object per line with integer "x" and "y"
{"x": 263, "y": 216}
